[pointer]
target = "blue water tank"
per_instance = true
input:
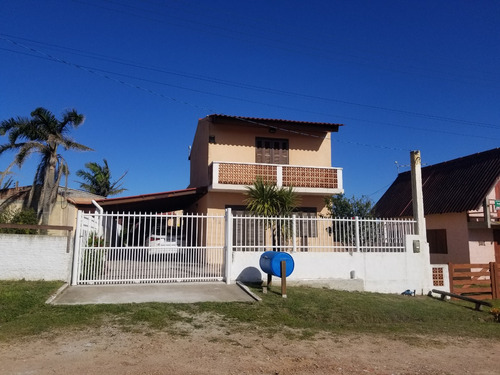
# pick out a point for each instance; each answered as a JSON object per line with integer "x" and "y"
{"x": 270, "y": 263}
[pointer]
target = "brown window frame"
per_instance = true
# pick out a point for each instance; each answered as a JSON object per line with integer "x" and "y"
{"x": 437, "y": 240}
{"x": 271, "y": 150}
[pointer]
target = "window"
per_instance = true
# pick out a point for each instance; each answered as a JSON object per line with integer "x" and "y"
{"x": 437, "y": 241}
{"x": 271, "y": 151}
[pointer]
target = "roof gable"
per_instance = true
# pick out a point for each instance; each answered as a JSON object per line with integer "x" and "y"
{"x": 458, "y": 185}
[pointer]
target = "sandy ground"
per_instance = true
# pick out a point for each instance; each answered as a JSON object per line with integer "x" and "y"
{"x": 216, "y": 350}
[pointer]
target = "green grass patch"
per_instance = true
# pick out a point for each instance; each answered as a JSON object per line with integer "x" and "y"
{"x": 305, "y": 313}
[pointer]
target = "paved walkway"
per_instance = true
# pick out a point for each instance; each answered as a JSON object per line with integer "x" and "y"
{"x": 167, "y": 293}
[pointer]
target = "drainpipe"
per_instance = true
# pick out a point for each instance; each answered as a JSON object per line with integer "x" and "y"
{"x": 99, "y": 208}
{"x": 101, "y": 214}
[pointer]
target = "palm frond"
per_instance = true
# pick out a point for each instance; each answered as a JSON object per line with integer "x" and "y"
{"x": 69, "y": 144}
{"x": 97, "y": 179}
{"x": 43, "y": 133}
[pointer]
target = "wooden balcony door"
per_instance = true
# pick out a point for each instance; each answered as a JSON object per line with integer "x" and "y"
{"x": 271, "y": 151}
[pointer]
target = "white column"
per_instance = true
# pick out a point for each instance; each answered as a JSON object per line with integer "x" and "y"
{"x": 228, "y": 244}
{"x": 417, "y": 194}
{"x": 76, "y": 248}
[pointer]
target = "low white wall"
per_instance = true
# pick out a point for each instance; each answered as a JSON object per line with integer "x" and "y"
{"x": 378, "y": 272}
{"x": 444, "y": 284}
{"x": 34, "y": 257}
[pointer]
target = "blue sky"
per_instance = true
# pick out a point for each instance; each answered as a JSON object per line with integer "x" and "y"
{"x": 400, "y": 75}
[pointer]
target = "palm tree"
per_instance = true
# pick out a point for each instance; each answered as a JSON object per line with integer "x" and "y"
{"x": 6, "y": 174}
{"x": 98, "y": 180}
{"x": 265, "y": 199}
{"x": 43, "y": 133}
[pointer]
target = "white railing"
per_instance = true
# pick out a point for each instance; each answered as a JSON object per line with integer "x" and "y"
{"x": 146, "y": 248}
{"x": 320, "y": 234}
{"x": 124, "y": 248}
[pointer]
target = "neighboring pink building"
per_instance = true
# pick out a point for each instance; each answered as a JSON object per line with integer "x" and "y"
{"x": 461, "y": 206}
{"x": 229, "y": 153}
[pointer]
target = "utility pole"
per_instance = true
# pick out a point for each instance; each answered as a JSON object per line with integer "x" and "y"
{"x": 417, "y": 194}
{"x": 420, "y": 244}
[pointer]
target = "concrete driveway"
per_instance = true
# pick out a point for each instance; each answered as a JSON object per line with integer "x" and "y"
{"x": 166, "y": 293}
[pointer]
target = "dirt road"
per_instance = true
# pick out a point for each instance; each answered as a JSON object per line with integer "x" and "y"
{"x": 215, "y": 350}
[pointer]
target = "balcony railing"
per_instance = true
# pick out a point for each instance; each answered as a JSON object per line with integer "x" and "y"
{"x": 485, "y": 217}
{"x": 236, "y": 176}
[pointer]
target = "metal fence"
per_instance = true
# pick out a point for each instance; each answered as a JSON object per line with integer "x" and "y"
{"x": 148, "y": 248}
{"x": 152, "y": 248}
{"x": 320, "y": 234}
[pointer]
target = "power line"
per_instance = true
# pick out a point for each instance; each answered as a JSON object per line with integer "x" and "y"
{"x": 259, "y": 88}
{"x": 106, "y": 74}
{"x": 264, "y": 39}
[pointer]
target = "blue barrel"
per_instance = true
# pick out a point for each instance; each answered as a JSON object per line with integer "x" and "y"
{"x": 270, "y": 263}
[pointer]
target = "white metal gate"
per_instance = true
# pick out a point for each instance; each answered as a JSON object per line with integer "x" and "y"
{"x": 124, "y": 248}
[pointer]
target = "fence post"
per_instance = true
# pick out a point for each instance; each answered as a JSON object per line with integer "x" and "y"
{"x": 228, "y": 244}
{"x": 294, "y": 235}
{"x": 356, "y": 226}
{"x": 495, "y": 291}
{"x": 76, "y": 249}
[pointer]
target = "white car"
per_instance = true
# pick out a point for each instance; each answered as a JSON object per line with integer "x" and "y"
{"x": 159, "y": 244}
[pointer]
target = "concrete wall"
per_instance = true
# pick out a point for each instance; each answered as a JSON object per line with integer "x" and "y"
{"x": 34, "y": 257}
{"x": 373, "y": 272}
{"x": 199, "y": 156}
{"x": 482, "y": 247}
{"x": 236, "y": 143}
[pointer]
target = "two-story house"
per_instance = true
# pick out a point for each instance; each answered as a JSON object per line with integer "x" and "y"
{"x": 461, "y": 207}
{"x": 229, "y": 153}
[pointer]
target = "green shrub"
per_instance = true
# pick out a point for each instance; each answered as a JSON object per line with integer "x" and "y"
{"x": 93, "y": 260}
{"x": 93, "y": 264}
{"x": 19, "y": 216}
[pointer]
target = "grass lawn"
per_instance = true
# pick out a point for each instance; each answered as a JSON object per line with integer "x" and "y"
{"x": 306, "y": 312}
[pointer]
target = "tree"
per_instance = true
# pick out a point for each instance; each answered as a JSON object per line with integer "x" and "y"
{"x": 43, "y": 133}
{"x": 6, "y": 174}
{"x": 97, "y": 180}
{"x": 341, "y": 206}
{"x": 265, "y": 199}
{"x": 19, "y": 216}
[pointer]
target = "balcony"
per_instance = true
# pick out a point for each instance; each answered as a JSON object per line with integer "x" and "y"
{"x": 226, "y": 176}
{"x": 487, "y": 217}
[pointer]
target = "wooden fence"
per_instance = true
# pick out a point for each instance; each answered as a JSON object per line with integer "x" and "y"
{"x": 480, "y": 281}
